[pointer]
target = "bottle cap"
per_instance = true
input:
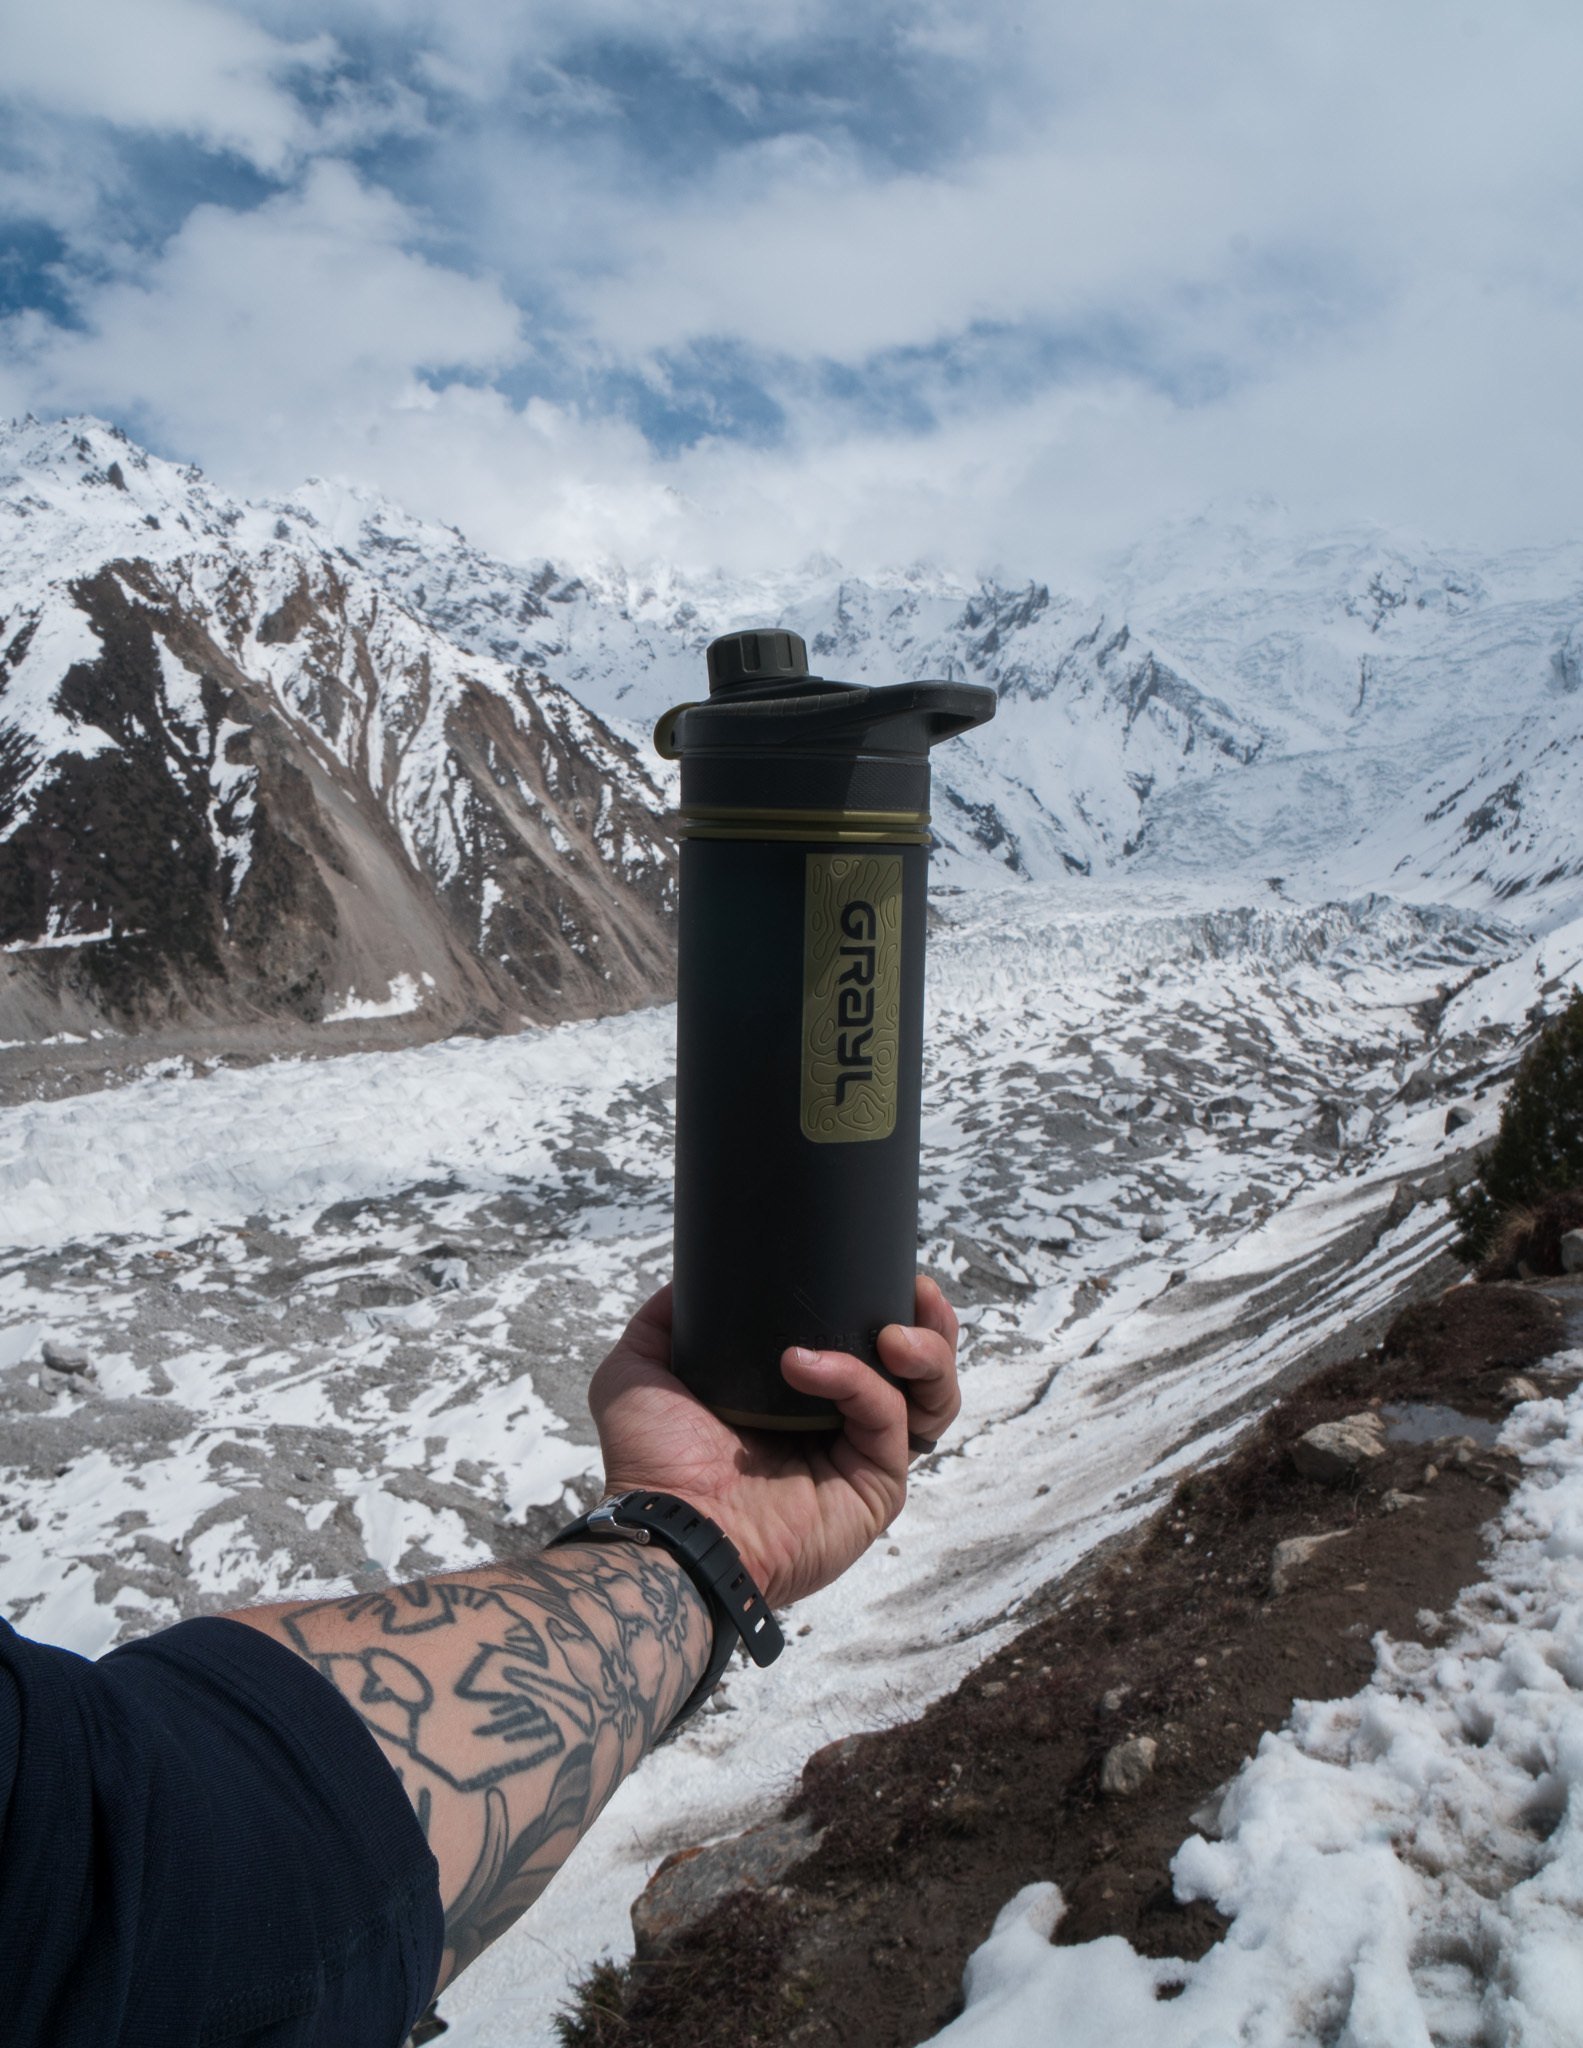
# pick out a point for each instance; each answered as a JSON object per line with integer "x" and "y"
{"x": 770, "y": 655}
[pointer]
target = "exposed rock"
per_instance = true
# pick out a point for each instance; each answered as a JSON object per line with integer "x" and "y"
{"x": 1572, "y": 1252}
{"x": 279, "y": 796}
{"x": 1334, "y": 1451}
{"x": 1113, "y": 1700}
{"x": 1456, "y": 1116}
{"x": 693, "y": 1881}
{"x": 67, "y": 1358}
{"x": 1128, "y": 1766}
{"x": 1393, "y": 1502}
{"x": 381, "y": 1290}
{"x": 1519, "y": 1388}
{"x": 1293, "y": 1554}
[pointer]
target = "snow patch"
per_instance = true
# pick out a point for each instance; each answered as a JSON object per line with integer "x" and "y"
{"x": 405, "y": 996}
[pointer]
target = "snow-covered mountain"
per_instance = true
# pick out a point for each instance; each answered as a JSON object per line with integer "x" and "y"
{"x": 320, "y": 761}
{"x": 238, "y": 783}
{"x": 1244, "y": 700}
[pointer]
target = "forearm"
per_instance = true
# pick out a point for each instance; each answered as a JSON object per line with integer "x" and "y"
{"x": 512, "y": 1702}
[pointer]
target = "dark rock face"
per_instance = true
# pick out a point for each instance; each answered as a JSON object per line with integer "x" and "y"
{"x": 690, "y": 1884}
{"x": 274, "y": 796}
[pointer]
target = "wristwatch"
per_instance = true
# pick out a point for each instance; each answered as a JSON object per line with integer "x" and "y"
{"x": 709, "y": 1558}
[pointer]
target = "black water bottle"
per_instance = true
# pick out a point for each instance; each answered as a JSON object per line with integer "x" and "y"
{"x": 804, "y": 827}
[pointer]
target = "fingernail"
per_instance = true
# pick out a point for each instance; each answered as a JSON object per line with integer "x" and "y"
{"x": 802, "y": 1357}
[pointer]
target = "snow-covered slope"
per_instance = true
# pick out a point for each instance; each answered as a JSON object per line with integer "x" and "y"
{"x": 320, "y": 759}
{"x": 338, "y": 1315}
{"x": 237, "y": 781}
{"x": 1404, "y": 1866}
{"x": 1245, "y": 700}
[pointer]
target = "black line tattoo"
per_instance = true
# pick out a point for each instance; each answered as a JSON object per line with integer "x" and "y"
{"x": 512, "y": 1703}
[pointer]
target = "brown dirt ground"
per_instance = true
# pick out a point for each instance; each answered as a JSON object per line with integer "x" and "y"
{"x": 931, "y": 1827}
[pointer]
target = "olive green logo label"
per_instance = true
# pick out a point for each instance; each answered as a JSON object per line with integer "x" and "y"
{"x": 851, "y": 996}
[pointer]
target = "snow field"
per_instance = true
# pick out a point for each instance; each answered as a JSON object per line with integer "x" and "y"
{"x": 341, "y": 1313}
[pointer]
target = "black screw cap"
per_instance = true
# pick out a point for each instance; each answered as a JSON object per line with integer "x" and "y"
{"x": 770, "y": 655}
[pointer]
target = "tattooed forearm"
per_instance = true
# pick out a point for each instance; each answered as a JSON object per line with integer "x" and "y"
{"x": 512, "y": 1702}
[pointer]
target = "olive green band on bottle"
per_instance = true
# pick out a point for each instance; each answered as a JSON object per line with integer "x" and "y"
{"x": 861, "y": 828}
{"x": 741, "y": 1418}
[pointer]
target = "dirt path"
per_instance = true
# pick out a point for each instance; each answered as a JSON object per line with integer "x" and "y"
{"x": 1179, "y": 1640}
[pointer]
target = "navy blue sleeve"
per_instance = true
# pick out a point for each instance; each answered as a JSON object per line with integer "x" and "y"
{"x": 200, "y": 1843}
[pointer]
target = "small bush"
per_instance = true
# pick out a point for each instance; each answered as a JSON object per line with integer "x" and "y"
{"x": 594, "y": 2018}
{"x": 1528, "y": 1241}
{"x": 1538, "y": 1149}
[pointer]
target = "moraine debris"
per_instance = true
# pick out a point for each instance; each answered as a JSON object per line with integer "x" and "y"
{"x": 1128, "y": 1766}
{"x": 1334, "y": 1451}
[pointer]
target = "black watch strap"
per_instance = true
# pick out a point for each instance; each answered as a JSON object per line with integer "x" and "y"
{"x": 709, "y": 1558}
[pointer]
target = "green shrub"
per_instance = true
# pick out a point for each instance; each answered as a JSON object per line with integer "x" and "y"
{"x": 1538, "y": 1149}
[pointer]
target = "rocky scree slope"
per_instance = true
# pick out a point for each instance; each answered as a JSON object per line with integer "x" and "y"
{"x": 240, "y": 784}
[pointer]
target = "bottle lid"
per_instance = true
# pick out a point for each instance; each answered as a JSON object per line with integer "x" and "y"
{"x": 769, "y": 655}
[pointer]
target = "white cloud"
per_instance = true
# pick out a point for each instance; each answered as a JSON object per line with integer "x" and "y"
{"x": 1089, "y": 265}
{"x": 172, "y": 66}
{"x": 260, "y": 331}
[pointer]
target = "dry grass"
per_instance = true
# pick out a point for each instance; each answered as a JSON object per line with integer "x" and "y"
{"x": 1527, "y": 1242}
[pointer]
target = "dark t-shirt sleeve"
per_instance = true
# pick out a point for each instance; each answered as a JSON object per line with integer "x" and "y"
{"x": 201, "y": 1843}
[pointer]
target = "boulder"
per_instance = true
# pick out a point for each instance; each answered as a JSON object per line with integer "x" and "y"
{"x": 693, "y": 1881}
{"x": 1293, "y": 1554}
{"x": 1128, "y": 1765}
{"x": 1572, "y": 1252}
{"x": 67, "y": 1358}
{"x": 1335, "y": 1451}
{"x": 1456, "y": 1116}
{"x": 1519, "y": 1388}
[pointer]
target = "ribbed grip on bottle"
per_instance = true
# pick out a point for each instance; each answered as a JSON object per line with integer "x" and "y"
{"x": 770, "y": 655}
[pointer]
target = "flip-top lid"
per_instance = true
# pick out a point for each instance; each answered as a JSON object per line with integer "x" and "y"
{"x": 761, "y": 696}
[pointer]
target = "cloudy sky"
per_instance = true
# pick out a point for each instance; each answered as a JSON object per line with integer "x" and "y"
{"x": 993, "y": 284}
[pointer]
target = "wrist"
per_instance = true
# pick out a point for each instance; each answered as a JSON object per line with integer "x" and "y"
{"x": 664, "y": 1598}
{"x": 701, "y": 1549}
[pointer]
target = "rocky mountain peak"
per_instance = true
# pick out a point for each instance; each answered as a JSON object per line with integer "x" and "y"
{"x": 243, "y": 788}
{"x": 415, "y": 780}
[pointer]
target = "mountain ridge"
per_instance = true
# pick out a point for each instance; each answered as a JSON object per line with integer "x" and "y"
{"x": 243, "y": 786}
{"x": 315, "y": 761}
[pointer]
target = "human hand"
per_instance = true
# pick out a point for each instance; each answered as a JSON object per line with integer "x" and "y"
{"x": 799, "y": 1509}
